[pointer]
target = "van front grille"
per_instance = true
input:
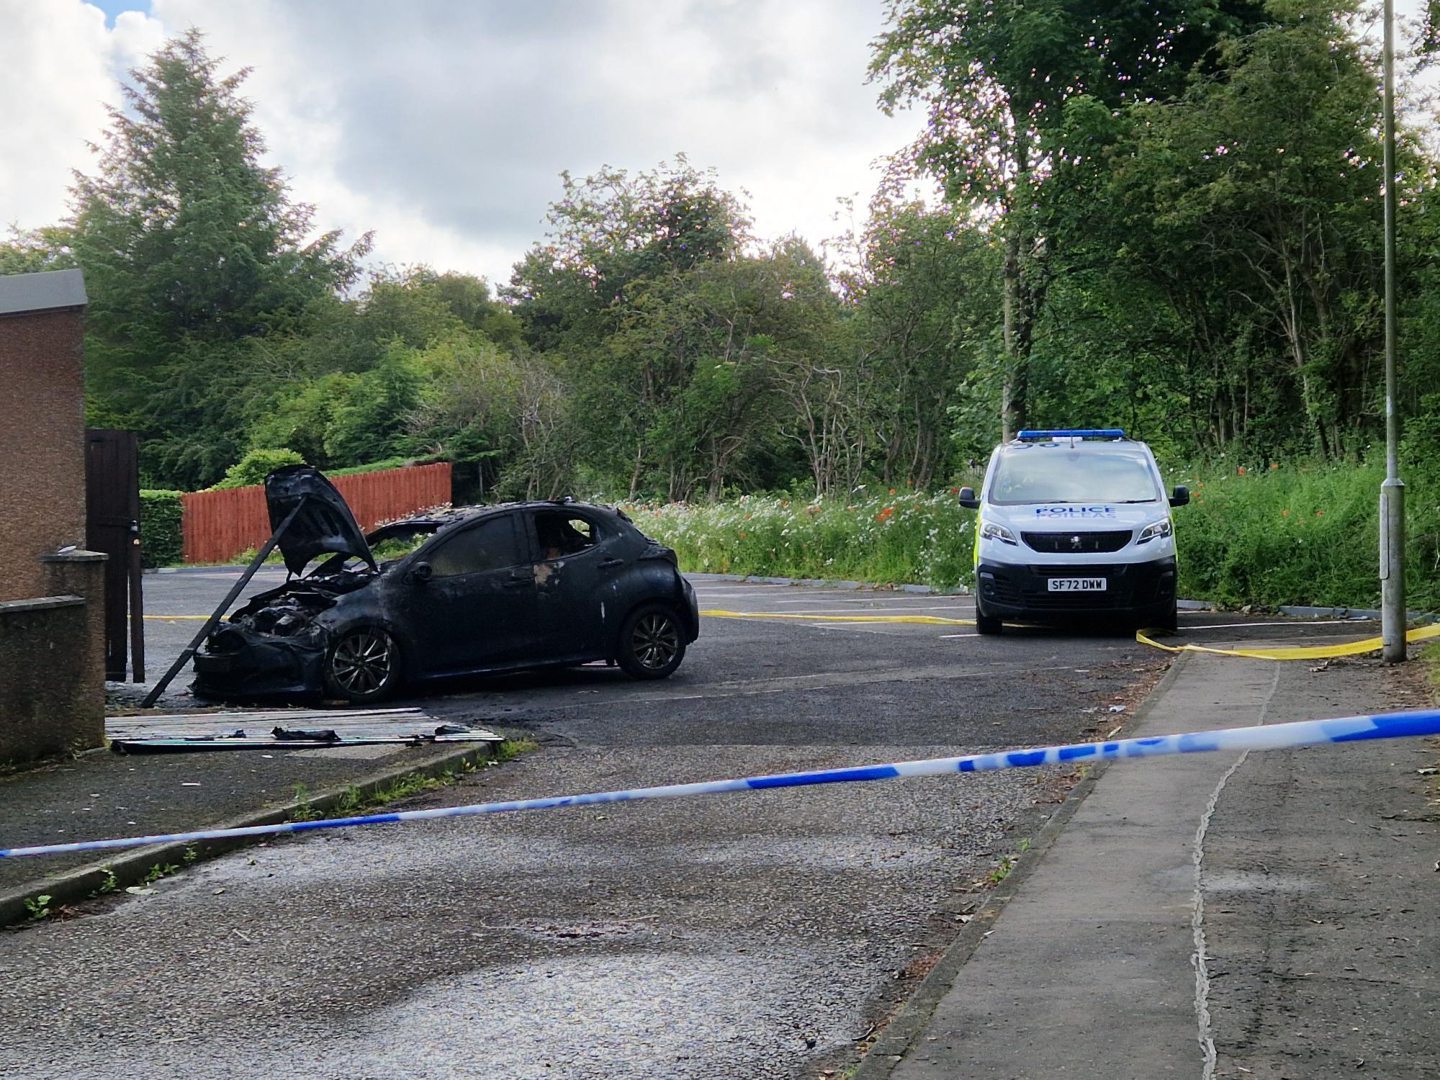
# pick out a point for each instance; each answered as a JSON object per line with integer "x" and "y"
{"x": 1077, "y": 543}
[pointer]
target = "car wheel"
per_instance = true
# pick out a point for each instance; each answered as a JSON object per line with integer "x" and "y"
{"x": 652, "y": 643}
{"x": 362, "y": 665}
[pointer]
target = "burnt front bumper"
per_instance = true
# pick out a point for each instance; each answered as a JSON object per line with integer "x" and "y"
{"x": 240, "y": 663}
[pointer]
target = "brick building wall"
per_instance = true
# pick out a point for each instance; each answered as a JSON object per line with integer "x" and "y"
{"x": 52, "y": 635}
{"x": 42, "y": 441}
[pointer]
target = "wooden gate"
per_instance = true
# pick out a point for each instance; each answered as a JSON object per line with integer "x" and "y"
{"x": 112, "y": 525}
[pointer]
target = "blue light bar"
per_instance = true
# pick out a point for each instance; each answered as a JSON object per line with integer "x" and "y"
{"x": 1070, "y": 433}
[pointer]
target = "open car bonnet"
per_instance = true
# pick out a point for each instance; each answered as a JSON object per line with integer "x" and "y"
{"x": 324, "y": 523}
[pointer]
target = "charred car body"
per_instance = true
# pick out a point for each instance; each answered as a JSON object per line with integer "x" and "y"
{"x": 484, "y": 590}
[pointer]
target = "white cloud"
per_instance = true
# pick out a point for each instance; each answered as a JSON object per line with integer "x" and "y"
{"x": 59, "y": 67}
{"x": 444, "y": 126}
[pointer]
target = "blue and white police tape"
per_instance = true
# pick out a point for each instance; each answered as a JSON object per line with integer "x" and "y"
{"x": 1268, "y": 737}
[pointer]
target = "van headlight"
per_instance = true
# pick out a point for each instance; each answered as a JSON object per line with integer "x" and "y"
{"x": 1156, "y": 530}
{"x": 992, "y": 531}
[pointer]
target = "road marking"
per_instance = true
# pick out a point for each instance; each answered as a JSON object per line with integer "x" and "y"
{"x": 927, "y": 620}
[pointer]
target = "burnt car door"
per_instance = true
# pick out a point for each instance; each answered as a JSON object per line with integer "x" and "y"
{"x": 469, "y": 598}
{"x": 579, "y": 558}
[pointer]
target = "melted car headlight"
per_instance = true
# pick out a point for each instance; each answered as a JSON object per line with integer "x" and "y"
{"x": 1155, "y": 530}
{"x": 992, "y": 531}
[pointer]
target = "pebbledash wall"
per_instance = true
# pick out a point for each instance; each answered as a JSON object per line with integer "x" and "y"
{"x": 52, "y": 634}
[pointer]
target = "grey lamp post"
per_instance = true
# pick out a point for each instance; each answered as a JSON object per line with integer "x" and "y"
{"x": 1392, "y": 491}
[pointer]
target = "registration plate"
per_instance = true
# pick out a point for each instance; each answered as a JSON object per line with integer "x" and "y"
{"x": 1077, "y": 584}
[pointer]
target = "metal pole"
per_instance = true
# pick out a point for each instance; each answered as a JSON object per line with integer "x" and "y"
{"x": 1392, "y": 491}
{"x": 219, "y": 612}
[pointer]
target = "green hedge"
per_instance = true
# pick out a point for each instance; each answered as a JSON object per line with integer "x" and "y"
{"x": 162, "y": 542}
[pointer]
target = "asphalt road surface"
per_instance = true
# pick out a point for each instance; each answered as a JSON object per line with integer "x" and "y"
{"x": 761, "y": 934}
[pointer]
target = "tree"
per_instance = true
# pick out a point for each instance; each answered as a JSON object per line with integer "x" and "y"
{"x": 37, "y": 250}
{"x": 613, "y": 295}
{"x": 926, "y": 307}
{"x": 1250, "y": 209}
{"x": 997, "y": 77}
{"x": 189, "y": 245}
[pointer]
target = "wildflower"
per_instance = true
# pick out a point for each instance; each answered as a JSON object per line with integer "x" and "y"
{"x": 886, "y": 514}
{"x": 1274, "y": 465}
{"x": 1241, "y": 470}
{"x": 892, "y": 491}
{"x": 1319, "y": 513}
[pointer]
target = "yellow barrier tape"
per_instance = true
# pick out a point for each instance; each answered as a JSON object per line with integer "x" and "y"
{"x": 1294, "y": 652}
{"x": 930, "y": 620}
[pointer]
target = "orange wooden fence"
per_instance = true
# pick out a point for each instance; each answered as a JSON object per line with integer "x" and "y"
{"x": 218, "y": 525}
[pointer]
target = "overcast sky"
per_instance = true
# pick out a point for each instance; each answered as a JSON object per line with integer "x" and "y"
{"x": 443, "y": 125}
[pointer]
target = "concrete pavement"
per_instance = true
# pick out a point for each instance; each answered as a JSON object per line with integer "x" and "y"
{"x": 1271, "y": 915}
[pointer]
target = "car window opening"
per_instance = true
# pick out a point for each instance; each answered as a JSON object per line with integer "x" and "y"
{"x": 562, "y": 534}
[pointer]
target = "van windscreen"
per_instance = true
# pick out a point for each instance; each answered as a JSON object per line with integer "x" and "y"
{"x": 1050, "y": 475}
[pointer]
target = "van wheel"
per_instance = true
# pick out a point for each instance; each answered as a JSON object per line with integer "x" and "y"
{"x": 986, "y": 624}
{"x": 1164, "y": 617}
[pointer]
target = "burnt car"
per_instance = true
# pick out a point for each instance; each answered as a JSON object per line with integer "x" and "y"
{"x": 476, "y": 590}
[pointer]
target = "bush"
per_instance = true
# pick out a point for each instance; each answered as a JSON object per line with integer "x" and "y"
{"x": 255, "y": 466}
{"x": 162, "y": 540}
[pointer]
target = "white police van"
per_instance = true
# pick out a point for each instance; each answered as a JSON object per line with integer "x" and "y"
{"x": 1074, "y": 524}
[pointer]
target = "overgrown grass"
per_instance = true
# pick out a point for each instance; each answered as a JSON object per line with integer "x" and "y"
{"x": 1286, "y": 535}
{"x": 1301, "y": 535}
{"x": 890, "y": 537}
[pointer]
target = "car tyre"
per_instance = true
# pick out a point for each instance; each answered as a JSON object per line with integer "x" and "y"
{"x": 652, "y": 643}
{"x": 362, "y": 665}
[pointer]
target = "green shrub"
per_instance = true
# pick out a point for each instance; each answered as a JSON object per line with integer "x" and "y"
{"x": 255, "y": 466}
{"x": 380, "y": 466}
{"x": 162, "y": 540}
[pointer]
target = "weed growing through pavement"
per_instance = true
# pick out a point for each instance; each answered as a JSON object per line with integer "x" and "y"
{"x": 38, "y": 907}
{"x": 158, "y": 871}
{"x": 353, "y": 801}
{"x": 304, "y": 812}
{"x": 1007, "y": 863}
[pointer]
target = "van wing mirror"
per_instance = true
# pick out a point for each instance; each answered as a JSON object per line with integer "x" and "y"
{"x": 1180, "y": 496}
{"x": 422, "y": 572}
{"x": 968, "y": 499}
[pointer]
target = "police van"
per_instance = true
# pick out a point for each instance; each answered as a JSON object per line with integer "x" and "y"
{"x": 1074, "y": 524}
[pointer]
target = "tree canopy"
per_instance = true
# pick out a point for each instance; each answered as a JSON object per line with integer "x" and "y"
{"x": 1163, "y": 217}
